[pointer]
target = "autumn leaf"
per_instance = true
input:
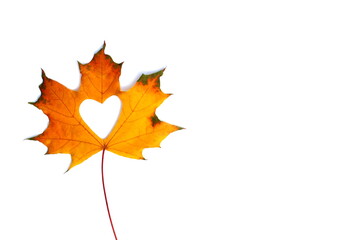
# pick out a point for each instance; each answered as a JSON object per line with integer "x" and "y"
{"x": 137, "y": 127}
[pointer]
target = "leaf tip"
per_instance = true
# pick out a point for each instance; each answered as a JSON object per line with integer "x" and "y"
{"x": 43, "y": 73}
{"x": 44, "y": 77}
{"x": 30, "y": 138}
{"x": 102, "y": 49}
{"x": 160, "y": 72}
{"x": 154, "y": 77}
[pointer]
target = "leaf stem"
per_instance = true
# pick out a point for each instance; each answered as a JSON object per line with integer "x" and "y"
{"x": 103, "y": 183}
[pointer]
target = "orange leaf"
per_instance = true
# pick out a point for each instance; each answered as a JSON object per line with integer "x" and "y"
{"x": 137, "y": 128}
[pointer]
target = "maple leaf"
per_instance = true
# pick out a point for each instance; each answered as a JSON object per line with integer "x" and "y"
{"x": 137, "y": 127}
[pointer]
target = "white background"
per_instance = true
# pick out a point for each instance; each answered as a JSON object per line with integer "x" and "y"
{"x": 269, "y": 94}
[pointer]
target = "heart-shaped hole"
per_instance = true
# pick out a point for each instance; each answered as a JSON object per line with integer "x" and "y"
{"x": 101, "y": 118}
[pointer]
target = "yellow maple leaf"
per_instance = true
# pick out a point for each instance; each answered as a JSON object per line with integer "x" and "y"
{"x": 137, "y": 127}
